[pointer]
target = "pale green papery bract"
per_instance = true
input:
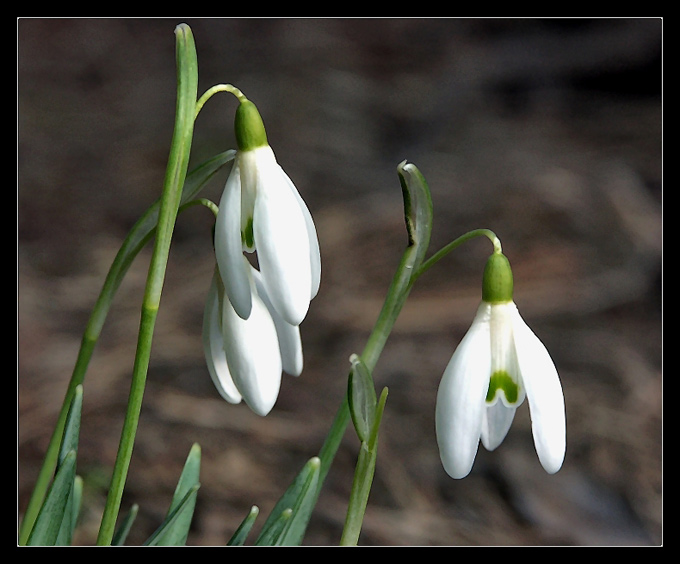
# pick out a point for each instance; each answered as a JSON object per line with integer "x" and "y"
{"x": 246, "y": 357}
{"x": 261, "y": 210}
{"x": 471, "y": 404}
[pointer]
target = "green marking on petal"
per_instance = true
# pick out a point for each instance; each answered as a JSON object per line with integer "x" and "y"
{"x": 247, "y": 236}
{"x": 502, "y": 381}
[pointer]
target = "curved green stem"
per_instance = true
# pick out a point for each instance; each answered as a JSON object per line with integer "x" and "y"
{"x": 200, "y": 202}
{"x": 214, "y": 90}
{"x": 170, "y": 202}
{"x": 441, "y": 253}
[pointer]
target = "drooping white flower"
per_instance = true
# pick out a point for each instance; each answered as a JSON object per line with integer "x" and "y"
{"x": 498, "y": 363}
{"x": 261, "y": 210}
{"x": 246, "y": 357}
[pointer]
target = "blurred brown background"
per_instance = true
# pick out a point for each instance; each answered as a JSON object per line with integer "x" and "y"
{"x": 546, "y": 131}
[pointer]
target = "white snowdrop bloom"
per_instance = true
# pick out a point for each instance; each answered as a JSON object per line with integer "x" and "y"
{"x": 498, "y": 363}
{"x": 246, "y": 357}
{"x": 261, "y": 210}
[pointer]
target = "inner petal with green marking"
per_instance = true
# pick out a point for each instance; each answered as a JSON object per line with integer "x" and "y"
{"x": 502, "y": 383}
{"x": 247, "y": 236}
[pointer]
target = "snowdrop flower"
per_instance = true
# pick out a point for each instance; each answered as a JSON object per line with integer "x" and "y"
{"x": 498, "y": 363}
{"x": 261, "y": 210}
{"x": 245, "y": 357}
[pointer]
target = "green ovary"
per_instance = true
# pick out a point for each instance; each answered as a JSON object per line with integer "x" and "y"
{"x": 502, "y": 381}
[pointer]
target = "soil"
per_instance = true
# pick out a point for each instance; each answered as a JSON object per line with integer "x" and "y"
{"x": 546, "y": 131}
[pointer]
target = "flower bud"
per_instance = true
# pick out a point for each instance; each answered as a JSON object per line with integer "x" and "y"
{"x": 497, "y": 283}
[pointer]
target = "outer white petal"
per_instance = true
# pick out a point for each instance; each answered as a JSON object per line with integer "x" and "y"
{"x": 461, "y": 398}
{"x": 228, "y": 245}
{"x": 290, "y": 341}
{"x": 314, "y": 252}
{"x": 497, "y": 420}
{"x": 544, "y": 392}
{"x": 252, "y": 351}
{"x": 282, "y": 243}
{"x": 213, "y": 346}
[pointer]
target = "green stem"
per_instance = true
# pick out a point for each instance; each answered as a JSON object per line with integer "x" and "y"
{"x": 394, "y": 301}
{"x": 441, "y": 253}
{"x": 363, "y": 479}
{"x": 170, "y": 202}
{"x": 214, "y": 90}
{"x": 134, "y": 242}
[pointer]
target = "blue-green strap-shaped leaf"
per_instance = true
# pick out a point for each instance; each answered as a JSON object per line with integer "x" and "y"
{"x": 125, "y": 526}
{"x": 241, "y": 534}
{"x": 175, "y": 530}
{"x": 275, "y": 528}
{"x": 139, "y": 235}
{"x": 48, "y": 523}
{"x": 69, "y": 441}
{"x": 295, "y": 529}
{"x": 71, "y": 513}
{"x": 166, "y": 528}
{"x": 58, "y": 515}
{"x": 293, "y": 509}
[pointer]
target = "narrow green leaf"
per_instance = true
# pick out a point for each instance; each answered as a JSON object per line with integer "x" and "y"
{"x": 53, "y": 510}
{"x": 296, "y": 527}
{"x": 124, "y": 528}
{"x": 240, "y": 535}
{"x": 167, "y": 525}
{"x": 72, "y": 427}
{"x": 361, "y": 397}
{"x": 71, "y": 512}
{"x": 138, "y": 237}
{"x": 176, "y": 534}
{"x": 373, "y": 438}
{"x": 64, "y": 522}
{"x": 77, "y": 503}
{"x": 275, "y": 529}
{"x": 69, "y": 443}
{"x": 297, "y": 503}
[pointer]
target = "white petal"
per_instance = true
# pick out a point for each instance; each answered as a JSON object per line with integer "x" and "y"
{"x": 290, "y": 341}
{"x": 229, "y": 247}
{"x": 544, "y": 392}
{"x": 497, "y": 420}
{"x": 504, "y": 354}
{"x": 213, "y": 346}
{"x": 282, "y": 244}
{"x": 252, "y": 351}
{"x": 461, "y": 398}
{"x": 314, "y": 252}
